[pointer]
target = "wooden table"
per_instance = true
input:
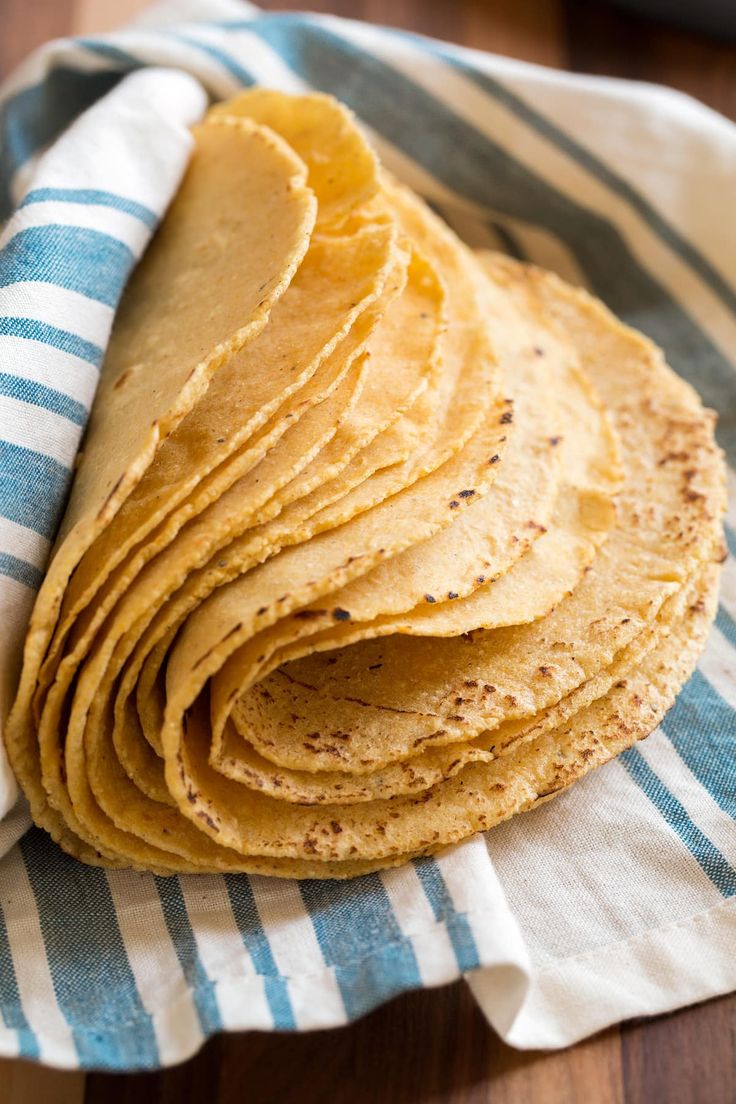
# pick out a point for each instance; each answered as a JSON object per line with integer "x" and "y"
{"x": 435, "y": 1046}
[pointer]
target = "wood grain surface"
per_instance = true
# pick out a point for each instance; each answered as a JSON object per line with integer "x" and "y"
{"x": 435, "y": 1046}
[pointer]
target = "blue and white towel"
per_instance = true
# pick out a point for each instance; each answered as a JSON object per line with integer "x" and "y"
{"x": 619, "y": 898}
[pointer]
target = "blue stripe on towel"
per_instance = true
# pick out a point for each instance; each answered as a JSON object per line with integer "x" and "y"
{"x": 20, "y": 570}
{"x": 256, "y": 943}
{"x": 21, "y": 468}
{"x": 227, "y": 61}
{"x": 28, "y": 391}
{"x": 182, "y": 937}
{"x": 443, "y": 908}
{"x": 11, "y": 1005}
{"x": 89, "y": 262}
{"x": 705, "y": 853}
{"x": 87, "y": 959}
{"x": 360, "y": 938}
{"x": 727, "y": 625}
{"x": 730, "y": 539}
{"x": 508, "y": 240}
{"x": 30, "y": 329}
{"x": 120, "y": 58}
{"x": 701, "y": 727}
{"x": 95, "y": 197}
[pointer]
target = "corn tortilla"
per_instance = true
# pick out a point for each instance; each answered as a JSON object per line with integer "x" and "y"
{"x": 394, "y": 543}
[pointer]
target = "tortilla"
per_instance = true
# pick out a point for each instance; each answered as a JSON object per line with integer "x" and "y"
{"x": 237, "y": 759}
{"x": 257, "y": 396}
{"x": 668, "y": 518}
{"x": 274, "y": 813}
{"x": 338, "y": 281}
{"x": 420, "y": 539}
{"x": 159, "y": 336}
{"x": 478, "y": 797}
{"x": 311, "y": 515}
{"x": 394, "y": 393}
{"x": 342, "y": 167}
{"x": 462, "y": 411}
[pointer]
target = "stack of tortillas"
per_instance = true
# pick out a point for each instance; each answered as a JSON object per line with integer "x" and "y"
{"x": 373, "y": 542}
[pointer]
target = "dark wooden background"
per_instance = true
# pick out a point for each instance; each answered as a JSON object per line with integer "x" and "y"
{"x": 435, "y": 1046}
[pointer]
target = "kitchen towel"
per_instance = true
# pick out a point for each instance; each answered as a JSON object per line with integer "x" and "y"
{"x": 617, "y": 899}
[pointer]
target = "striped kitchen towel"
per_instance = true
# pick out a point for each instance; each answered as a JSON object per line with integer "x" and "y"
{"x": 619, "y": 898}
